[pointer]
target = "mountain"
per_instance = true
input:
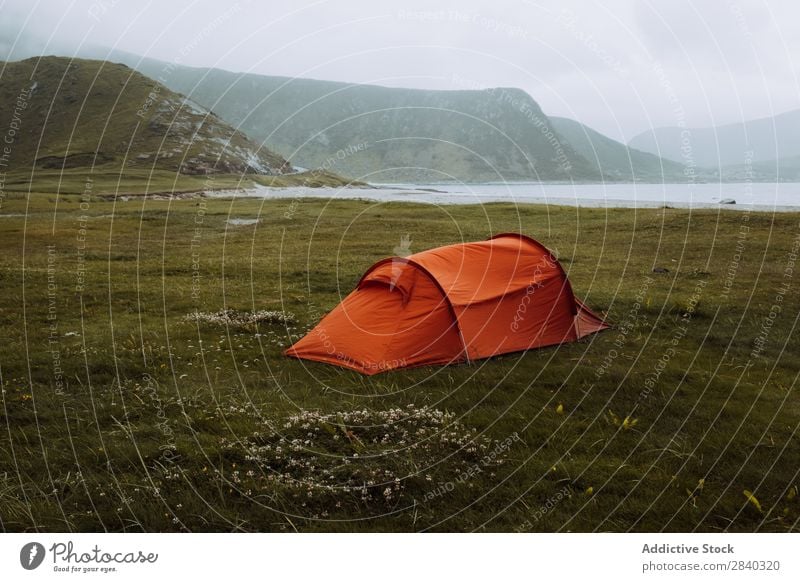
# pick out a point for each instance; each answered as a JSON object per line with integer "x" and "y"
{"x": 780, "y": 170}
{"x": 759, "y": 140}
{"x": 384, "y": 134}
{"x": 67, "y": 113}
{"x": 375, "y": 133}
{"x": 615, "y": 159}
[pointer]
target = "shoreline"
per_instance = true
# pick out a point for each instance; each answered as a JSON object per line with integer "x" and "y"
{"x": 596, "y": 196}
{"x": 440, "y": 198}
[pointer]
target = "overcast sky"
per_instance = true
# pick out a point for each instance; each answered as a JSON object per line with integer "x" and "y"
{"x": 621, "y": 66}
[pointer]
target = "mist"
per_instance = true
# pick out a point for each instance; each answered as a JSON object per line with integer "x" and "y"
{"x": 620, "y": 67}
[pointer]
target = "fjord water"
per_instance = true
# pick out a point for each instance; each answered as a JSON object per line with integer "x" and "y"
{"x": 784, "y": 196}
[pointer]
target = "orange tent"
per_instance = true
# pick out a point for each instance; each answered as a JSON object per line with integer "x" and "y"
{"x": 456, "y": 303}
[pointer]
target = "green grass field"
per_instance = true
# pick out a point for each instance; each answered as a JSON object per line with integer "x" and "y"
{"x": 120, "y": 413}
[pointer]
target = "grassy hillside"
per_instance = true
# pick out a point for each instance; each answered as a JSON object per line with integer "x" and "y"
{"x": 122, "y": 411}
{"x": 79, "y": 113}
{"x": 385, "y": 134}
{"x": 614, "y": 159}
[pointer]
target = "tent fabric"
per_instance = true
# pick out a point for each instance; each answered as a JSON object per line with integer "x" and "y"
{"x": 451, "y": 304}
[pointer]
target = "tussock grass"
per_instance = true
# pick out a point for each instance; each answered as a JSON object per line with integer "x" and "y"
{"x": 231, "y": 317}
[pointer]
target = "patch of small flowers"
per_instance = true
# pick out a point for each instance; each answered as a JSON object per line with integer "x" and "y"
{"x": 368, "y": 459}
{"x": 234, "y": 318}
